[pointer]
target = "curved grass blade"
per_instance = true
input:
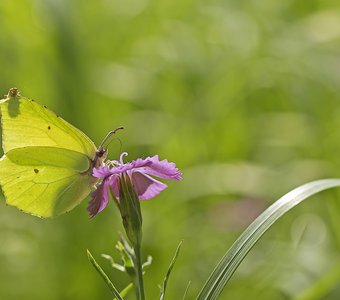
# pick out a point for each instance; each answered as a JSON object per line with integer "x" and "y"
{"x": 234, "y": 256}
{"x": 101, "y": 272}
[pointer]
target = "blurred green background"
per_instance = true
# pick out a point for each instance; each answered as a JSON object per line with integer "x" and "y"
{"x": 243, "y": 95}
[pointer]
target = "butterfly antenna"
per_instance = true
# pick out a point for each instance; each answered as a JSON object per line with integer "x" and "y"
{"x": 120, "y": 143}
{"x": 112, "y": 132}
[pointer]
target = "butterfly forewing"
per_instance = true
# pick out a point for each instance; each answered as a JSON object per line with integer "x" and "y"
{"x": 26, "y": 123}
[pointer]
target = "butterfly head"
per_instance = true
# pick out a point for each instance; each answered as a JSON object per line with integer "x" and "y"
{"x": 101, "y": 155}
{"x": 13, "y": 92}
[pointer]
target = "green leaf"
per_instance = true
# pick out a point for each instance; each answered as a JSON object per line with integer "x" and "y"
{"x": 165, "y": 282}
{"x": 126, "y": 290}
{"x": 113, "y": 264}
{"x": 101, "y": 272}
{"x": 234, "y": 256}
{"x": 147, "y": 263}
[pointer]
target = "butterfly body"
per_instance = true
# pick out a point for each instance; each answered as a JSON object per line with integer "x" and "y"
{"x": 46, "y": 169}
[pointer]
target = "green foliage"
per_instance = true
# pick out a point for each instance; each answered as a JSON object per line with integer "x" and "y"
{"x": 243, "y": 95}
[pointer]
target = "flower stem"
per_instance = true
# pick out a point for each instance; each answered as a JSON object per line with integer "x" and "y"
{"x": 139, "y": 271}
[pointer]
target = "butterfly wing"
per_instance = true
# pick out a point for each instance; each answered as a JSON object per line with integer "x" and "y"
{"x": 45, "y": 181}
{"x": 26, "y": 123}
{"x": 47, "y": 166}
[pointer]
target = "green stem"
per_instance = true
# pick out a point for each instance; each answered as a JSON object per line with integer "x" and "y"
{"x": 139, "y": 271}
{"x": 137, "y": 288}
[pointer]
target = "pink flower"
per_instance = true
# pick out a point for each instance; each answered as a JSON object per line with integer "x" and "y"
{"x": 139, "y": 171}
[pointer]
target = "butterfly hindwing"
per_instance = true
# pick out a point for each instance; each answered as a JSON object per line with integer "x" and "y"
{"x": 44, "y": 187}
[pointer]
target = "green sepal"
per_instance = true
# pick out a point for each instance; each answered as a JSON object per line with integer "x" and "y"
{"x": 130, "y": 210}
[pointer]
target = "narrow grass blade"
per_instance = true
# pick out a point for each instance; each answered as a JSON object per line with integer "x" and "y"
{"x": 101, "y": 272}
{"x": 234, "y": 256}
{"x": 165, "y": 282}
{"x": 186, "y": 290}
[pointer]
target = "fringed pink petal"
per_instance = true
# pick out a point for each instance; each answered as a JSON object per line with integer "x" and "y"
{"x": 100, "y": 199}
{"x": 161, "y": 169}
{"x": 113, "y": 182}
{"x": 101, "y": 172}
{"x": 145, "y": 186}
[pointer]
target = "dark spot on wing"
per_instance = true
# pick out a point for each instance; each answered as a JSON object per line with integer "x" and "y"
{"x": 36, "y": 171}
{"x": 45, "y": 106}
{"x": 48, "y": 127}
